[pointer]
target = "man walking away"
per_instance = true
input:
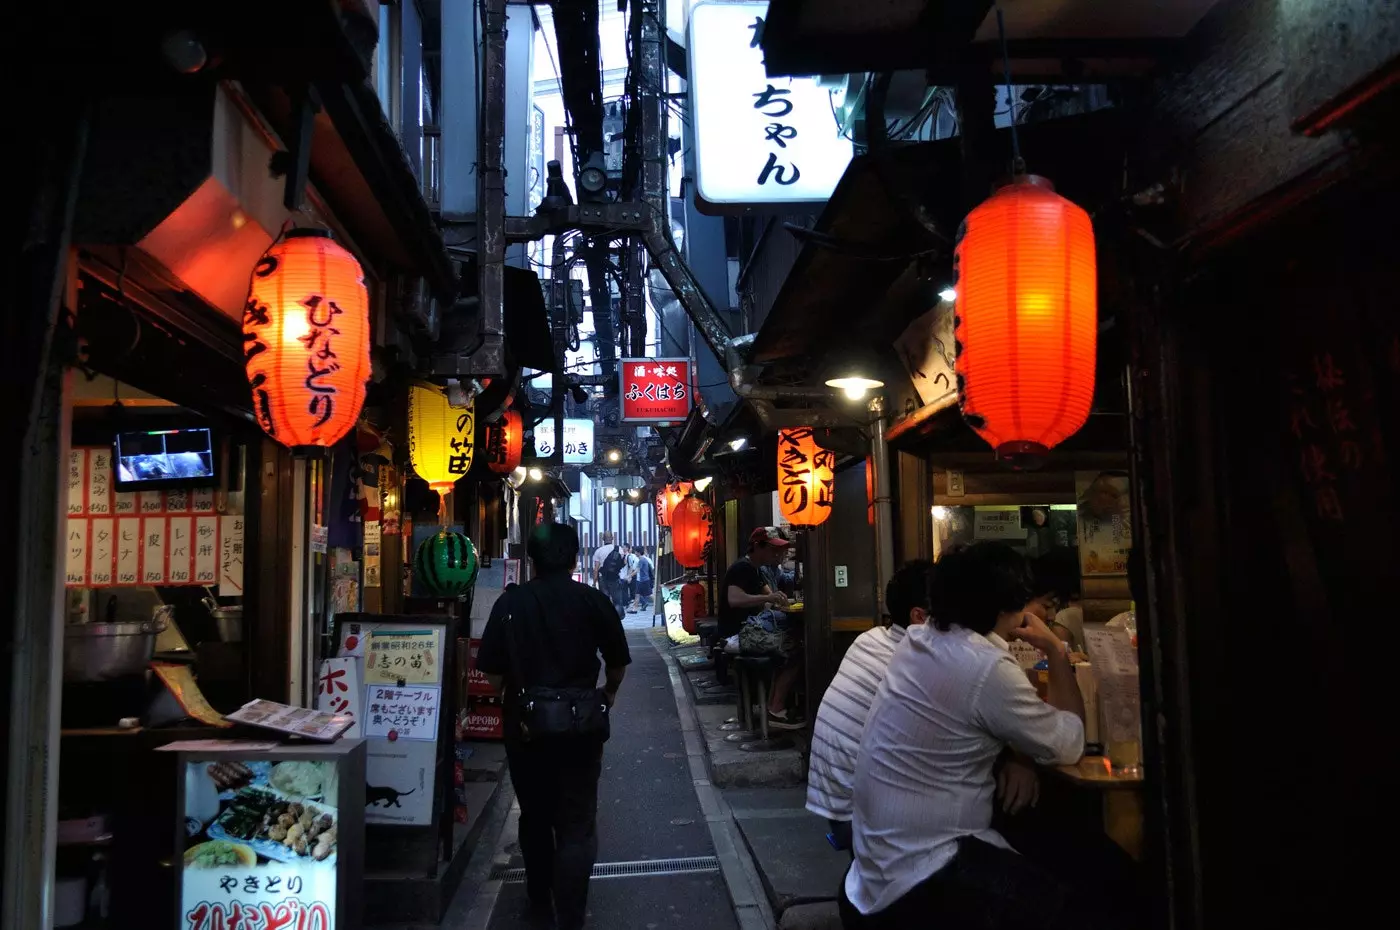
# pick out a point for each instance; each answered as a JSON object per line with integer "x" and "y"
{"x": 607, "y": 563}
{"x": 549, "y": 633}
{"x": 629, "y": 575}
{"x": 846, "y": 704}
{"x": 646, "y": 579}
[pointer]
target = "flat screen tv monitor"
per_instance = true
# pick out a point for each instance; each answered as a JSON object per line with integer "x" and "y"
{"x": 165, "y": 458}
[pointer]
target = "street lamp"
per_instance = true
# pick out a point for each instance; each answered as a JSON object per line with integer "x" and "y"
{"x": 536, "y": 474}
{"x": 738, "y": 444}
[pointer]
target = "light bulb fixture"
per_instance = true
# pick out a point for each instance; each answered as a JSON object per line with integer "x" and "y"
{"x": 614, "y": 455}
{"x": 611, "y": 494}
{"x": 940, "y": 513}
{"x": 703, "y": 484}
{"x": 948, "y": 293}
{"x": 634, "y": 494}
{"x": 854, "y": 387}
{"x": 536, "y": 474}
{"x": 737, "y": 445}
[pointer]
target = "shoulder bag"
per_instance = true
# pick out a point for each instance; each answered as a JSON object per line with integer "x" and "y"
{"x": 555, "y": 714}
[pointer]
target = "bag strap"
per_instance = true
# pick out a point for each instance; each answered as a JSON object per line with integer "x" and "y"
{"x": 512, "y": 646}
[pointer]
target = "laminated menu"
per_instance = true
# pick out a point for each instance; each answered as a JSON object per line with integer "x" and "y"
{"x": 295, "y": 721}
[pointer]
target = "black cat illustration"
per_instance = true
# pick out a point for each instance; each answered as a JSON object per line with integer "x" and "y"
{"x": 390, "y": 796}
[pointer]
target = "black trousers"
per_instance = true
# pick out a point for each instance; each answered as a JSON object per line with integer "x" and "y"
{"x": 557, "y": 788}
{"x": 1059, "y": 883}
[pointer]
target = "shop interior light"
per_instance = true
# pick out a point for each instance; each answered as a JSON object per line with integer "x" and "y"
{"x": 855, "y": 386}
{"x": 517, "y": 476}
{"x": 614, "y": 455}
{"x": 940, "y": 513}
{"x": 948, "y": 293}
{"x": 737, "y": 445}
{"x": 536, "y": 474}
{"x": 703, "y": 484}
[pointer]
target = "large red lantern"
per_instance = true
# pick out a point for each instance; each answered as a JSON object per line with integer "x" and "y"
{"x": 691, "y": 532}
{"x": 667, "y": 499}
{"x": 1027, "y": 319}
{"x": 504, "y": 440}
{"x": 806, "y": 477}
{"x": 306, "y": 340}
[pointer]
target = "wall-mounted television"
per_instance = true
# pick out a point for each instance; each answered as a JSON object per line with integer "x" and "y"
{"x": 148, "y": 460}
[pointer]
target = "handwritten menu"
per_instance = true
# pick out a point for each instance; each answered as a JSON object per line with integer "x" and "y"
{"x": 146, "y": 538}
{"x": 403, "y": 657}
{"x": 168, "y": 550}
{"x": 231, "y": 556}
{"x": 396, "y": 713}
{"x": 1116, "y": 673}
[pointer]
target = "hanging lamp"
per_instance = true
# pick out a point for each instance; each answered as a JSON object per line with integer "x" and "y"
{"x": 306, "y": 340}
{"x": 1026, "y": 323}
{"x": 441, "y": 438}
{"x": 504, "y": 441}
{"x": 691, "y": 532}
{"x": 806, "y": 477}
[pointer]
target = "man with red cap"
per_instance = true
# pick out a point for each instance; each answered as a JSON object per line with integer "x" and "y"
{"x": 744, "y": 592}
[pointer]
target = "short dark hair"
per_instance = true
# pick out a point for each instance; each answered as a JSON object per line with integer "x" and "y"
{"x": 907, "y": 589}
{"x": 553, "y": 547}
{"x": 1057, "y": 573}
{"x": 971, "y": 587}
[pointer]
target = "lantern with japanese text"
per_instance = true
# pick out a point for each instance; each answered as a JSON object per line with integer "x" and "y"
{"x": 504, "y": 440}
{"x": 1026, "y": 325}
{"x": 691, "y": 532}
{"x": 446, "y": 564}
{"x": 667, "y": 499}
{"x": 306, "y": 340}
{"x": 806, "y": 477}
{"x": 870, "y": 491}
{"x": 440, "y": 437}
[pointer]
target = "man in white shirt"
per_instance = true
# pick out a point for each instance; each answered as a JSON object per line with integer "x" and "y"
{"x": 952, "y": 701}
{"x": 846, "y": 703}
{"x": 605, "y": 573}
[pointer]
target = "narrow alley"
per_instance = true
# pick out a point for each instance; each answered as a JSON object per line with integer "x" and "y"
{"x": 657, "y": 865}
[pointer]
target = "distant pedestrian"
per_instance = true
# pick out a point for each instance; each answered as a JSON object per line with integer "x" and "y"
{"x": 608, "y": 562}
{"x": 646, "y": 580}
{"x": 629, "y": 576}
{"x": 548, "y": 634}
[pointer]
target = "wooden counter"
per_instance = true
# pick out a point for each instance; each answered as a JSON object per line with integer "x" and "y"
{"x": 1122, "y": 799}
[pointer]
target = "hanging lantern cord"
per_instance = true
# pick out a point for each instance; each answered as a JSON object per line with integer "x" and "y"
{"x": 1018, "y": 164}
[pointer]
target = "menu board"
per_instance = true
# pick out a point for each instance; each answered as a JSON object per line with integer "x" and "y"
{"x": 261, "y": 845}
{"x": 1104, "y": 521}
{"x": 400, "y": 707}
{"x": 297, "y": 721}
{"x": 148, "y": 538}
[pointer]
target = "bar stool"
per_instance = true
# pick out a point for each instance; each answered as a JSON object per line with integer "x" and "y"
{"x": 754, "y": 673}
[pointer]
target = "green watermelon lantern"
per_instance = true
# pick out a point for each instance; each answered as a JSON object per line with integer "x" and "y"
{"x": 446, "y": 564}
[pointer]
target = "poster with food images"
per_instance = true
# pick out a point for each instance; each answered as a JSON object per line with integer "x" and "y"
{"x": 261, "y": 841}
{"x": 1104, "y": 515}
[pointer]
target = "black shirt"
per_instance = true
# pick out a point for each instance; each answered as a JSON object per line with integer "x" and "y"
{"x": 557, "y": 628}
{"x": 746, "y": 576}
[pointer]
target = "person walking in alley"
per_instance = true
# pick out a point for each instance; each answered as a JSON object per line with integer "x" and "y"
{"x": 646, "y": 580}
{"x": 541, "y": 649}
{"x": 608, "y": 562}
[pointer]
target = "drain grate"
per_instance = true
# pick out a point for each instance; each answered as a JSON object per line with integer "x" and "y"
{"x": 639, "y": 869}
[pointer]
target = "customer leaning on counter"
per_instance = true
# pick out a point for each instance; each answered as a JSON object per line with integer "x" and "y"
{"x": 951, "y": 703}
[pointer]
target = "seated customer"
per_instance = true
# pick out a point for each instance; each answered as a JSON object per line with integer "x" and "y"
{"x": 846, "y": 704}
{"x": 952, "y": 701}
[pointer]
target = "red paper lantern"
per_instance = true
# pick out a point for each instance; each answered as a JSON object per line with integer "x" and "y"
{"x": 1027, "y": 319}
{"x": 870, "y": 491}
{"x": 306, "y": 340}
{"x": 691, "y": 532}
{"x": 806, "y": 477}
{"x": 504, "y": 440}
{"x": 667, "y": 499}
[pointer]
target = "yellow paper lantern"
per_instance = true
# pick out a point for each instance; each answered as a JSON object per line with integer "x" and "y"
{"x": 440, "y": 437}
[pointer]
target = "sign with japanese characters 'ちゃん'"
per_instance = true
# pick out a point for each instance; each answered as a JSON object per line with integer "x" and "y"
{"x": 655, "y": 390}
{"x": 758, "y": 140}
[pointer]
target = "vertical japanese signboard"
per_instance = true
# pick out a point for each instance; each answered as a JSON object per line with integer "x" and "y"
{"x": 758, "y": 140}
{"x": 655, "y": 390}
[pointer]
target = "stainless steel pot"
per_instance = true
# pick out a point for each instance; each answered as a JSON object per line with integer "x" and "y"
{"x": 229, "y": 620}
{"x": 106, "y": 651}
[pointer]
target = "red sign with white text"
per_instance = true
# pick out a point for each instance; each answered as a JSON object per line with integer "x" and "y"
{"x": 655, "y": 390}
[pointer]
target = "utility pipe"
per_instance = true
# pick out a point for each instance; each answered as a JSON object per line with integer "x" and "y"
{"x": 884, "y": 511}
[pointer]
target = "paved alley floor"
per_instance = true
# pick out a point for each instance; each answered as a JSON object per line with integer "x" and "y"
{"x": 647, "y": 813}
